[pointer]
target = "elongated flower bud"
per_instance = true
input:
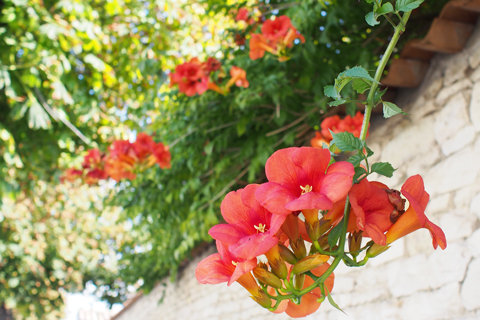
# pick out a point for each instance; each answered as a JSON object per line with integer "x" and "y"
{"x": 376, "y": 249}
{"x": 287, "y": 254}
{"x": 299, "y": 281}
{"x": 355, "y": 242}
{"x": 262, "y": 299}
{"x": 309, "y": 263}
{"x": 266, "y": 277}
{"x": 299, "y": 248}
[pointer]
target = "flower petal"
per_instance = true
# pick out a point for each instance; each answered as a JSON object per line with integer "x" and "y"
{"x": 226, "y": 233}
{"x": 253, "y": 245}
{"x": 274, "y": 197}
{"x": 212, "y": 270}
{"x": 310, "y": 200}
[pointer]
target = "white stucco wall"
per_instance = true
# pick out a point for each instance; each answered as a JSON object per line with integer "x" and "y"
{"x": 440, "y": 140}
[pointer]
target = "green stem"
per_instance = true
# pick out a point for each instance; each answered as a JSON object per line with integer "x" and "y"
{"x": 378, "y": 74}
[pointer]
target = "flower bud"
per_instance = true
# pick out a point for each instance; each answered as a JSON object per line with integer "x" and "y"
{"x": 262, "y": 299}
{"x": 376, "y": 249}
{"x": 355, "y": 242}
{"x": 309, "y": 263}
{"x": 299, "y": 281}
{"x": 313, "y": 230}
{"x": 299, "y": 248}
{"x": 287, "y": 254}
{"x": 279, "y": 268}
{"x": 266, "y": 277}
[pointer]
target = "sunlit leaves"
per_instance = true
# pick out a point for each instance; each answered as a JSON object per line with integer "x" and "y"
{"x": 407, "y": 5}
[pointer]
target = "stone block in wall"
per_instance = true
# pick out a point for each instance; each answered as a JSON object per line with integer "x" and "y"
{"x": 418, "y": 242}
{"x": 439, "y": 304}
{"x": 474, "y": 59}
{"x": 396, "y": 251}
{"x": 434, "y": 87}
{"x": 407, "y": 276}
{"x": 452, "y": 118}
{"x": 421, "y": 163}
{"x": 471, "y": 286}
{"x": 475, "y": 106}
{"x": 460, "y": 140}
{"x": 455, "y": 71}
{"x": 475, "y": 76}
{"x": 463, "y": 197}
{"x": 475, "y": 205}
{"x": 457, "y": 171}
{"x": 449, "y": 91}
{"x": 440, "y": 204}
{"x": 448, "y": 266}
{"x": 473, "y": 243}
{"x": 395, "y": 151}
{"x": 457, "y": 225}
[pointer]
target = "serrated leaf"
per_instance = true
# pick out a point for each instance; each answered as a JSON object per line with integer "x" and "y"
{"x": 356, "y": 159}
{"x": 383, "y": 168}
{"x": 369, "y": 152}
{"x": 384, "y": 9}
{"x": 370, "y": 18}
{"x": 360, "y": 173}
{"x": 337, "y": 102}
{"x": 407, "y": 5}
{"x": 357, "y": 72}
{"x": 331, "y": 92}
{"x": 390, "y": 110}
{"x": 334, "y": 234}
{"x": 361, "y": 85}
{"x": 346, "y": 141}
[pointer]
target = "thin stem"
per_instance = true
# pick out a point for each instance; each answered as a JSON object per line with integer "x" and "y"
{"x": 378, "y": 74}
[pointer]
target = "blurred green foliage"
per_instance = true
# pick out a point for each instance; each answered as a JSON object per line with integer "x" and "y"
{"x": 79, "y": 74}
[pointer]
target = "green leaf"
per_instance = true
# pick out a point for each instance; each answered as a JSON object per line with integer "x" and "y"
{"x": 337, "y": 102}
{"x": 346, "y": 141}
{"x": 360, "y": 173}
{"x": 332, "y": 302}
{"x": 369, "y": 152}
{"x": 334, "y": 234}
{"x": 384, "y": 9}
{"x": 356, "y": 158}
{"x": 390, "y": 110}
{"x": 378, "y": 95}
{"x": 383, "y": 168}
{"x": 37, "y": 117}
{"x": 370, "y": 18}
{"x": 331, "y": 92}
{"x": 357, "y": 72}
{"x": 361, "y": 85}
{"x": 407, "y": 5}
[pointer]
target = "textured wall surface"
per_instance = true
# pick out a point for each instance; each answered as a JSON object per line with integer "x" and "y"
{"x": 440, "y": 140}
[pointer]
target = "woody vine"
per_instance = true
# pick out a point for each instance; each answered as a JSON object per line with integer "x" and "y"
{"x": 314, "y": 211}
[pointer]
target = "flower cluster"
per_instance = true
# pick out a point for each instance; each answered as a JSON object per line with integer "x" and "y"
{"x": 276, "y": 35}
{"x": 195, "y": 77}
{"x": 335, "y": 124}
{"x": 308, "y": 198}
{"x": 122, "y": 161}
